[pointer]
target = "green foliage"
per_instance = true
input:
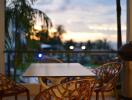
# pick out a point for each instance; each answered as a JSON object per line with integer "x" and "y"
{"x": 33, "y": 45}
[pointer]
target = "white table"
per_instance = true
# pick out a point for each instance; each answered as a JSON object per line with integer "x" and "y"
{"x": 57, "y": 69}
{"x": 56, "y": 72}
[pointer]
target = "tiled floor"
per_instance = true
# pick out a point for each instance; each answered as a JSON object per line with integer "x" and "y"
{"x": 19, "y": 98}
{"x": 24, "y": 98}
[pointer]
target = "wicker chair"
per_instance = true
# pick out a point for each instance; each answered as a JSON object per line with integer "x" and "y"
{"x": 10, "y": 88}
{"x": 107, "y": 76}
{"x": 46, "y": 82}
{"x": 72, "y": 90}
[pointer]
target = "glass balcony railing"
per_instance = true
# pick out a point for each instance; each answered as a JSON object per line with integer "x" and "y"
{"x": 17, "y": 62}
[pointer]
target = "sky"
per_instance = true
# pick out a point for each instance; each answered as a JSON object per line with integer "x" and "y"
{"x": 85, "y": 19}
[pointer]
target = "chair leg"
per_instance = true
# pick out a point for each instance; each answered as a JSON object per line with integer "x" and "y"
{"x": 28, "y": 95}
{"x": 40, "y": 88}
{"x": 116, "y": 94}
{"x": 97, "y": 95}
{"x": 15, "y": 97}
{"x": 0, "y": 97}
{"x": 102, "y": 93}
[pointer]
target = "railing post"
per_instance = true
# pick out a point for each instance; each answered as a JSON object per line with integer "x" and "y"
{"x": 127, "y": 71}
{"x": 8, "y": 65}
{"x": 68, "y": 57}
{"x": 14, "y": 76}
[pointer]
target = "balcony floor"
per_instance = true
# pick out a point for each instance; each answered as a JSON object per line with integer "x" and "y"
{"x": 31, "y": 98}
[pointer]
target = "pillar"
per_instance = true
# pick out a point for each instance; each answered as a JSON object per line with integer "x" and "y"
{"x": 2, "y": 31}
{"x": 127, "y": 76}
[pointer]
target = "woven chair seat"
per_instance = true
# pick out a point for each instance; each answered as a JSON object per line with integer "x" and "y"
{"x": 14, "y": 90}
{"x": 11, "y": 88}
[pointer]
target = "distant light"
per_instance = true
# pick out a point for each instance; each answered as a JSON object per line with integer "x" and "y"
{"x": 71, "y": 47}
{"x": 40, "y": 55}
{"x": 83, "y": 47}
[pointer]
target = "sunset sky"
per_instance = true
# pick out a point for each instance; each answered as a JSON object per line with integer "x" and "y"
{"x": 85, "y": 19}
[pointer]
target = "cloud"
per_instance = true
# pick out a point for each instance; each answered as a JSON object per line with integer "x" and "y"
{"x": 51, "y": 5}
{"x": 90, "y": 16}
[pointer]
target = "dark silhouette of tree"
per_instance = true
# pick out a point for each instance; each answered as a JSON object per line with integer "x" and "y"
{"x": 56, "y": 40}
{"x": 89, "y": 45}
{"x": 60, "y": 30}
{"x": 22, "y": 16}
{"x": 68, "y": 44}
{"x": 101, "y": 45}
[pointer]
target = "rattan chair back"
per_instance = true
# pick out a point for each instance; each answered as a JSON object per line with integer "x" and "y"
{"x": 72, "y": 90}
{"x": 107, "y": 76}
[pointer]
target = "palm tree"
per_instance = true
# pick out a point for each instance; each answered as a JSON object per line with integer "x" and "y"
{"x": 58, "y": 34}
{"x": 21, "y": 16}
{"x": 60, "y": 30}
{"x": 20, "y": 20}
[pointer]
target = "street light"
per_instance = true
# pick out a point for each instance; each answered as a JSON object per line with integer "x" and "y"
{"x": 83, "y": 47}
{"x": 71, "y": 47}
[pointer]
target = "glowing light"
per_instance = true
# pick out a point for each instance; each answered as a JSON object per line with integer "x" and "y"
{"x": 83, "y": 47}
{"x": 71, "y": 47}
{"x": 40, "y": 55}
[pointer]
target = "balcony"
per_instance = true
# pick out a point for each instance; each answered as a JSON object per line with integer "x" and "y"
{"x": 15, "y": 66}
{"x": 89, "y": 59}
{"x": 66, "y": 56}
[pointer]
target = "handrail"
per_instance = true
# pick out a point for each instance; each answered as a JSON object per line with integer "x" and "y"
{"x": 68, "y": 52}
{"x": 61, "y": 51}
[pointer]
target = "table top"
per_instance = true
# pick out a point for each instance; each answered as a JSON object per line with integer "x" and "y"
{"x": 57, "y": 69}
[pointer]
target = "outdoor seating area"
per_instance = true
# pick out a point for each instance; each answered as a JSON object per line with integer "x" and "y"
{"x": 65, "y": 50}
{"x": 99, "y": 80}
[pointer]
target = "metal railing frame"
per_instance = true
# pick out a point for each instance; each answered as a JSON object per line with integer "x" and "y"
{"x": 68, "y": 52}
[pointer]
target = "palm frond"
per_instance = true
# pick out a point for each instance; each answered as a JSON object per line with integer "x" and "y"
{"x": 23, "y": 17}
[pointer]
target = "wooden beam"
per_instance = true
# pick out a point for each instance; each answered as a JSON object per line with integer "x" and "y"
{"x": 2, "y": 31}
{"x": 127, "y": 71}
